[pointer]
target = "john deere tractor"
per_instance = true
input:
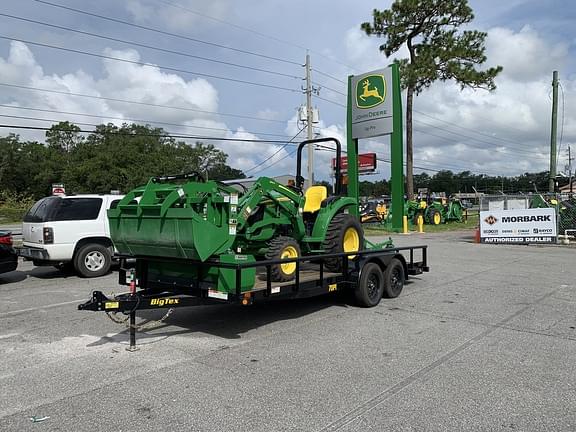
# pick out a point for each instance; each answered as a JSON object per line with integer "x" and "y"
{"x": 186, "y": 217}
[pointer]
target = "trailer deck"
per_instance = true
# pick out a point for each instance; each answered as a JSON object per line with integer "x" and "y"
{"x": 310, "y": 280}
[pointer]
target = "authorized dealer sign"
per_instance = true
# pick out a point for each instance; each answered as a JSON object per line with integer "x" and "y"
{"x": 518, "y": 226}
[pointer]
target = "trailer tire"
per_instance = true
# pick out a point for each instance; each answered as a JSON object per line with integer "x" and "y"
{"x": 394, "y": 279}
{"x": 370, "y": 285}
{"x": 92, "y": 260}
{"x": 341, "y": 227}
{"x": 283, "y": 247}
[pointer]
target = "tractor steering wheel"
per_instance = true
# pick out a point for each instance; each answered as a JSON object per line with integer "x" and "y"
{"x": 296, "y": 189}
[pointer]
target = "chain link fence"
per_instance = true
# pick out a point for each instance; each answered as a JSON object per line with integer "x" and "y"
{"x": 563, "y": 203}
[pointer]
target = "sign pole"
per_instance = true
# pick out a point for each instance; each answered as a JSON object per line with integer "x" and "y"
{"x": 375, "y": 109}
{"x": 397, "y": 153}
{"x": 352, "y": 150}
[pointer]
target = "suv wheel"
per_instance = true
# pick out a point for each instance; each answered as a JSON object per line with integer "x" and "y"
{"x": 92, "y": 260}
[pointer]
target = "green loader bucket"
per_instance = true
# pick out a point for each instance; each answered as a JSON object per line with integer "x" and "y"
{"x": 189, "y": 221}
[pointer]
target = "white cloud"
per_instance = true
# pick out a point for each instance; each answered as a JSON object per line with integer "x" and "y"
{"x": 182, "y": 15}
{"x": 146, "y": 84}
{"x": 504, "y": 132}
{"x": 524, "y": 55}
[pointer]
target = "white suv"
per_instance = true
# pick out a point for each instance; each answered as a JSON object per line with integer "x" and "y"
{"x": 70, "y": 231}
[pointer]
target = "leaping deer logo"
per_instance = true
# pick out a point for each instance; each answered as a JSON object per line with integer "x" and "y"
{"x": 370, "y": 93}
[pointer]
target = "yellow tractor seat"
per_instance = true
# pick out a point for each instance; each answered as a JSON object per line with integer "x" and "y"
{"x": 314, "y": 196}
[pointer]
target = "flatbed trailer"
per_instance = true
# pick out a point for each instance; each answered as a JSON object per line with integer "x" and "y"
{"x": 370, "y": 274}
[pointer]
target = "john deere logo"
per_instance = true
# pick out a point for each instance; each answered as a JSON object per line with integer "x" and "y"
{"x": 490, "y": 220}
{"x": 370, "y": 91}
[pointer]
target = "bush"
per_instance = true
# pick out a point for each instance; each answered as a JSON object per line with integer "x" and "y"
{"x": 13, "y": 206}
{"x": 8, "y": 215}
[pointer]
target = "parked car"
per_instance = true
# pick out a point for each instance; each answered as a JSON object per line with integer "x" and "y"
{"x": 70, "y": 231}
{"x": 8, "y": 256}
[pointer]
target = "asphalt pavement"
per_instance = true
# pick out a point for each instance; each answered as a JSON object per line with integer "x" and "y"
{"x": 484, "y": 342}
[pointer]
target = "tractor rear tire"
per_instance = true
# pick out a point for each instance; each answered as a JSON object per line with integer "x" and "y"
{"x": 344, "y": 234}
{"x": 394, "y": 278}
{"x": 279, "y": 248}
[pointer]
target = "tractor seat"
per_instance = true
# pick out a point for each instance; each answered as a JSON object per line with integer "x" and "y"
{"x": 314, "y": 196}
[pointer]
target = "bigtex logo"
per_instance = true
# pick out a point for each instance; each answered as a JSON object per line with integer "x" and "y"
{"x": 166, "y": 301}
{"x": 539, "y": 218}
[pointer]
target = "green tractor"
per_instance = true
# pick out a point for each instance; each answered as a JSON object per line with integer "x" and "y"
{"x": 204, "y": 221}
{"x": 440, "y": 211}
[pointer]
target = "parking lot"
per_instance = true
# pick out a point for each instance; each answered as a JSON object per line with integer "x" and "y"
{"x": 485, "y": 341}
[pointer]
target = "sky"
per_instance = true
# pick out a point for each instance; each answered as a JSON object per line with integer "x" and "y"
{"x": 229, "y": 70}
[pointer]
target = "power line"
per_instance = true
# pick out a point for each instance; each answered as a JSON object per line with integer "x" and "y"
{"x": 328, "y": 88}
{"x": 287, "y": 155}
{"x": 254, "y": 32}
{"x": 186, "y": 126}
{"x": 329, "y": 76}
{"x": 468, "y": 129}
{"x": 137, "y": 102}
{"x": 139, "y": 63}
{"x": 517, "y": 151}
{"x": 331, "y": 101}
{"x": 164, "y": 135}
{"x": 160, "y": 31}
{"x": 155, "y": 48}
{"x": 228, "y": 23}
{"x": 275, "y": 153}
{"x": 443, "y": 165}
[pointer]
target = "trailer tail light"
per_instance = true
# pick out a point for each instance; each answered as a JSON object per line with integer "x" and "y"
{"x": 48, "y": 235}
{"x": 6, "y": 239}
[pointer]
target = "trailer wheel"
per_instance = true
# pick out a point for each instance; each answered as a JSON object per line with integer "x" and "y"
{"x": 344, "y": 234}
{"x": 280, "y": 248}
{"x": 92, "y": 260}
{"x": 370, "y": 285}
{"x": 394, "y": 279}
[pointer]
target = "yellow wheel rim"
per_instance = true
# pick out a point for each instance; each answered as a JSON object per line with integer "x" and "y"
{"x": 288, "y": 252}
{"x": 351, "y": 241}
{"x": 437, "y": 219}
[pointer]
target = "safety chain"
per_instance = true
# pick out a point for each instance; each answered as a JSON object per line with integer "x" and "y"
{"x": 147, "y": 326}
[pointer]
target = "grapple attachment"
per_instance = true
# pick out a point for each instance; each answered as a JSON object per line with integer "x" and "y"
{"x": 193, "y": 220}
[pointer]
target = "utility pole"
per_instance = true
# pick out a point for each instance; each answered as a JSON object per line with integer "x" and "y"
{"x": 570, "y": 159}
{"x": 552, "y": 179}
{"x": 309, "y": 119}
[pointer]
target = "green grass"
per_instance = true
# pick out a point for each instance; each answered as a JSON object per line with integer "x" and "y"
{"x": 470, "y": 224}
{"x": 11, "y": 215}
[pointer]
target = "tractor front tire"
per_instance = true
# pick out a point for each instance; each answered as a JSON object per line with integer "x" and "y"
{"x": 280, "y": 248}
{"x": 344, "y": 234}
{"x": 435, "y": 217}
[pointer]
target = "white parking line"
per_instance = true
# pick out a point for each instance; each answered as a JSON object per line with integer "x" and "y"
{"x": 16, "y": 312}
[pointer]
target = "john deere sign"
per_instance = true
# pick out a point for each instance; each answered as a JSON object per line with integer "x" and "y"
{"x": 372, "y": 108}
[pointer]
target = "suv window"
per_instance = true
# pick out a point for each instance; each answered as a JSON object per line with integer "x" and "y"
{"x": 41, "y": 211}
{"x": 78, "y": 209}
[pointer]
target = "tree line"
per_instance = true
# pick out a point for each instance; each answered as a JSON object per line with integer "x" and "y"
{"x": 109, "y": 158}
{"x": 450, "y": 183}
{"x": 123, "y": 157}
